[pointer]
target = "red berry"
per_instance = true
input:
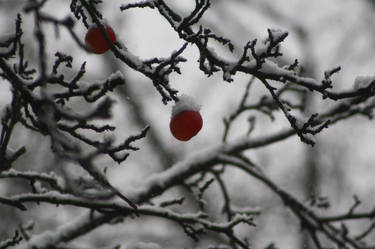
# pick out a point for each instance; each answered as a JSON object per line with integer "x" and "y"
{"x": 186, "y": 125}
{"x": 96, "y": 41}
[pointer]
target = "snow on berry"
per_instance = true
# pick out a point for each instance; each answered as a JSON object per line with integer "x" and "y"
{"x": 96, "y": 41}
{"x": 186, "y": 121}
{"x": 185, "y": 103}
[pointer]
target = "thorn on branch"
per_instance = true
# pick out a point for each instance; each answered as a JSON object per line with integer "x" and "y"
{"x": 192, "y": 232}
{"x": 172, "y": 62}
{"x": 126, "y": 145}
{"x": 293, "y": 66}
{"x": 305, "y": 130}
{"x": 141, "y": 4}
{"x": 202, "y": 189}
{"x": 178, "y": 201}
{"x": 103, "y": 110}
{"x": 327, "y": 82}
{"x": 61, "y": 58}
{"x": 231, "y": 70}
{"x": 357, "y": 202}
{"x": 258, "y": 58}
{"x": 207, "y": 33}
{"x": 320, "y": 202}
{"x": 200, "y": 7}
{"x": 275, "y": 37}
{"x": 11, "y": 202}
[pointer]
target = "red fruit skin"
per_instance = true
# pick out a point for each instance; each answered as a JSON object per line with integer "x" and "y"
{"x": 96, "y": 41}
{"x": 186, "y": 125}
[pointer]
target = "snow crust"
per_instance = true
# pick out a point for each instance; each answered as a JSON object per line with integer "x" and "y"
{"x": 185, "y": 103}
{"x": 115, "y": 75}
{"x": 363, "y": 81}
{"x": 84, "y": 86}
{"x": 277, "y": 33}
{"x": 270, "y": 67}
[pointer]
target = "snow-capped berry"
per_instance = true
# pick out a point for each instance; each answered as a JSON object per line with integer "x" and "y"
{"x": 186, "y": 120}
{"x": 96, "y": 41}
{"x": 186, "y": 125}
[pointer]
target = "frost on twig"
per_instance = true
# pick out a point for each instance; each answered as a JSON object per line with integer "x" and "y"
{"x": 43, "y": 100}
{"x": 49, "y": 112}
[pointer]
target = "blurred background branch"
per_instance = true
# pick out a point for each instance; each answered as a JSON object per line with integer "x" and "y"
{"x": 87, "y": 159}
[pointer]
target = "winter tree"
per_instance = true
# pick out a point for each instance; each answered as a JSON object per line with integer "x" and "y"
{"x": 186, "y": 124}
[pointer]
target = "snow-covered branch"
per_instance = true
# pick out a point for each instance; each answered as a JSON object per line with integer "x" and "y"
{"x": 46, "y": 90}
